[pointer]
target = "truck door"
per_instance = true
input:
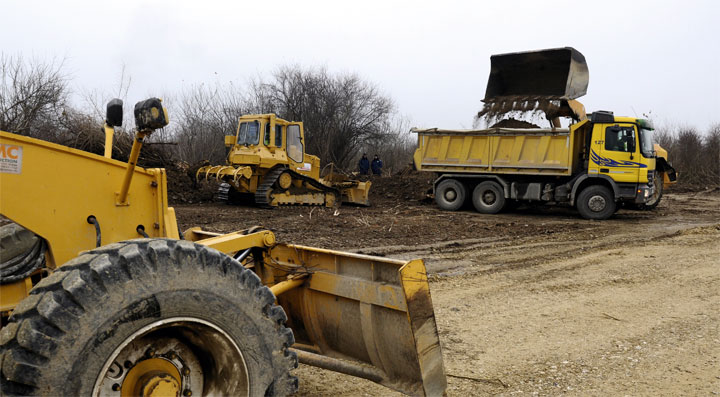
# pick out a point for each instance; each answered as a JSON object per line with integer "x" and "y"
{"x": 618, "y": 155}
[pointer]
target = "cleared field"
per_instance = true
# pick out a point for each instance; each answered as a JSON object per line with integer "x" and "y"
{"x": 538, "y": 301}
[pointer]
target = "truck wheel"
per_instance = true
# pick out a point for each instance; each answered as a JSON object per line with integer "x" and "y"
{"x": 596, "y": 202}
{"x": 488, "y": 197}
{"x": 148, "y": 316}
{"x": 450, "y": 195}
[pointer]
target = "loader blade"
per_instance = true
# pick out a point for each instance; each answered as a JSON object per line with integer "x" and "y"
{"x": 558, "y": 73}
{"x": 365, "y": 316}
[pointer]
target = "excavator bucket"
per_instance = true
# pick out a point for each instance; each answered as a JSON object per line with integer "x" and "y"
{"x": 558, "y": 73}
{"x": 364, "y": 316}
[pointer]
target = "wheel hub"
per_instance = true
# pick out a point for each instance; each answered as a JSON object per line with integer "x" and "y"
{"x": 488, "y": 197}
{"x": 450, "y": 195}
{"x": 285, "y": 180}
{"x": 152, "y": 377}
{"x": 163, "y": 358}
{"x": 596, "y": 203}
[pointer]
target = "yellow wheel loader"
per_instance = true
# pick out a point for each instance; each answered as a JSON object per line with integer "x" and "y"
{"x": 101, "y": 295}
{"x": 267, "y": 164}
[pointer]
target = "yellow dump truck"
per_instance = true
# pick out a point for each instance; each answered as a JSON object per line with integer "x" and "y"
{"x": 267, "y": 164}
{"x": 102, "y": 295}
{"x": 596, "y": 164}
{"x": 593, "y": 165}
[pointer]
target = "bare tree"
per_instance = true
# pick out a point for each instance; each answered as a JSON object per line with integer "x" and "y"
{"x": 204, "y": 115}
{"x": 340, "y": 113}
{"x": 395, "y": 146}
{"x": 711, "y": 154}
{"x": 33, "y": 96}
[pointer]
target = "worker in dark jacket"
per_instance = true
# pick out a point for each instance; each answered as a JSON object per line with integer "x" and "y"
{"x": 364, "y": 165}
{"x": 376, "y": 165}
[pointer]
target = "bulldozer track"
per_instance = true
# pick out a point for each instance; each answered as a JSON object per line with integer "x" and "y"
{"x": 265, "y": 191}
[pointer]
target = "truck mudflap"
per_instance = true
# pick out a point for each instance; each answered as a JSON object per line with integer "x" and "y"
{"x": 361, "y": 315}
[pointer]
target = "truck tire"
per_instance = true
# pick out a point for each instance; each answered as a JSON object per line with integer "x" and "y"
{"x": 596, "y": 202}
{"x": 450, "y": 194}
{"x": 148, "y": 315}
{"x": 488, "y": 197}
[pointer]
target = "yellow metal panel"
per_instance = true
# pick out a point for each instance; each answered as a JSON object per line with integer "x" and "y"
{"x": 11, "y": 294}
{"x": 57, "y": 188}
{"x": 622, "y": 167}
{"x": 516, "y": 151}
{"x": 359, "y": 290}
{"x": 479, "y": 150}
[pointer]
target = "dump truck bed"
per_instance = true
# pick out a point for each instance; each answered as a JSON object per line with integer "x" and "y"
{"x": 530, "y": 151}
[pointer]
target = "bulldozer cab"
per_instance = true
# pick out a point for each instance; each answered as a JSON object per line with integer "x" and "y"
{"x": 267, "y": 140}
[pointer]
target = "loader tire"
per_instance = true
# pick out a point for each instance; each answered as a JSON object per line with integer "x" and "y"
{"x": 15, "y": 240}
{"x": 21, "y": 253}
{"x": 596, "y": 202}
{"x": 450, "y": 194}
{"x": 488, "y": 197}
{"x": 149, "y": 315}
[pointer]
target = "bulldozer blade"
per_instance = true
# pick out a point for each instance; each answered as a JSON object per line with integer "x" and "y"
{"x": 364, "y": 316}
{"x": 351, "y": 191}
{"x": 218, "y": 172}
{"x": 558, "y": 73}
{"x": 357, "y": 194}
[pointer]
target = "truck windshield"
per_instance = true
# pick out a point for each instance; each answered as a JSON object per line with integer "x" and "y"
{"x": 647, "y": 143}
{"x": 249, "y": 133}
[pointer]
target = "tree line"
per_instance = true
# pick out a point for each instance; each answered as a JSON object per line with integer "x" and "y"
{"x": 344, "y": 116}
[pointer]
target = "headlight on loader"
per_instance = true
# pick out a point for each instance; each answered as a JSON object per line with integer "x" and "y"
{"x": 150, "y": 115}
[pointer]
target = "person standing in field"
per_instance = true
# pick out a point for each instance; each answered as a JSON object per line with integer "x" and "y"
{"x": 377, "y": 165}
{"x": 364, "y": 165}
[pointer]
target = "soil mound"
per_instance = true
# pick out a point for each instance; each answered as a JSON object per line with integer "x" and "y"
{"x": 513, "y": 123}
{"x": 405, "y": 186}
{"x": 182, "y": 188}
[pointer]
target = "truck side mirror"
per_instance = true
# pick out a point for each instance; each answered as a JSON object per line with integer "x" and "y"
{"x": 114, "y": 114}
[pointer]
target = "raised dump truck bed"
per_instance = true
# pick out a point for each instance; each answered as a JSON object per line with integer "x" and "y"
{"x": 498, "y": 151}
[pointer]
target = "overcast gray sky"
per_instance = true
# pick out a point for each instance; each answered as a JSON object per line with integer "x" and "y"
{"x": 431, "y": 57}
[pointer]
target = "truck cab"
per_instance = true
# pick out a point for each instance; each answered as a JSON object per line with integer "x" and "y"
{"x": 621, "y": 151}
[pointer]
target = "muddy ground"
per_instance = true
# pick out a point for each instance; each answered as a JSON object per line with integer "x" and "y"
{"x": 537, "y": 301}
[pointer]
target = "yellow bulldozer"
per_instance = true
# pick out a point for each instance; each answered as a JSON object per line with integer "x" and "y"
{"x": 267, "y": 164}
{"x": 102, "y": 295}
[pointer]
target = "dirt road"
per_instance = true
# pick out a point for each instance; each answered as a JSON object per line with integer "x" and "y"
{"x": 537, "y": 301}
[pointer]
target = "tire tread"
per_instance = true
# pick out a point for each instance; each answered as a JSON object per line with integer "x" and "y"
{"x": 41, "y": 322}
